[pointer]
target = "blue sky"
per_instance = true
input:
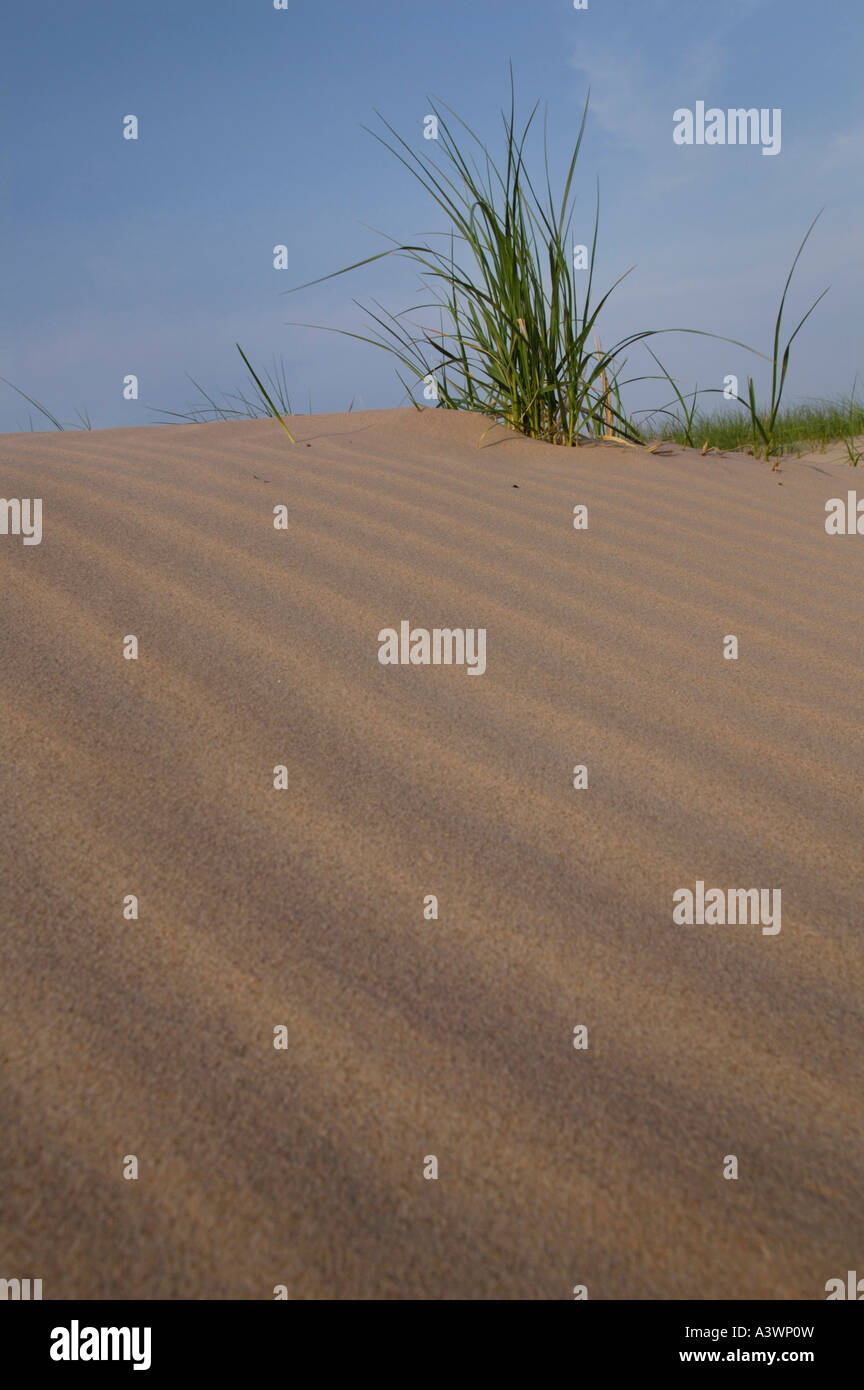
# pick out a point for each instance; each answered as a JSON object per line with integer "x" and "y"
{"x": 153, "y": 256}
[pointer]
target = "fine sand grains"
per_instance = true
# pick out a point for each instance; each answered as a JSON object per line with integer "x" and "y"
{"x": 302, "y": 908}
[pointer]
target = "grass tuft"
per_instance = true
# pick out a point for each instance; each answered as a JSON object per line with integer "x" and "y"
{"x": 516, "y": 324}
{"x": 271, "y": 399}
{"x": 763, "y": 424}
{"x": 84, "y": 422}
{"x": 802, "y": 428}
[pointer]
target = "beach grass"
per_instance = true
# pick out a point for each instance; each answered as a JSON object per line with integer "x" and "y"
{"x": 514, "y": 335}
{"x": 270, "y": 397}
{"x": 514, "y": 330}
{"x": 764, "y": 420}
{"x": 83, "y": 422}
{"x": 801, "y": 428}
{"x": 517, "y": 336}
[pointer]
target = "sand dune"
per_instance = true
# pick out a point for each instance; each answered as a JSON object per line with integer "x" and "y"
{"x": 304, "y": 907}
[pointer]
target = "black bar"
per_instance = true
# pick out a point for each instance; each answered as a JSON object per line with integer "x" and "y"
{"x": 225, "y": 1339}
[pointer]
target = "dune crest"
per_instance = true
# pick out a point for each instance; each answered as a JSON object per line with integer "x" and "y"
{"x": 282, "y": 1031}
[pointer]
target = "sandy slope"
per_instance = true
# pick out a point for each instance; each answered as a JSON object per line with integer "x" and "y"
{"x": 304, "y": 907}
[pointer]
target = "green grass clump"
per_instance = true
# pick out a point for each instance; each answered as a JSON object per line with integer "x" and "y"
{"x": 517, "y": 336}
{"x": 804, "y": 427}
{"x": 84, "y": 422}
{"x": 763, "y": 423}
{"x": 239, "y": 405}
